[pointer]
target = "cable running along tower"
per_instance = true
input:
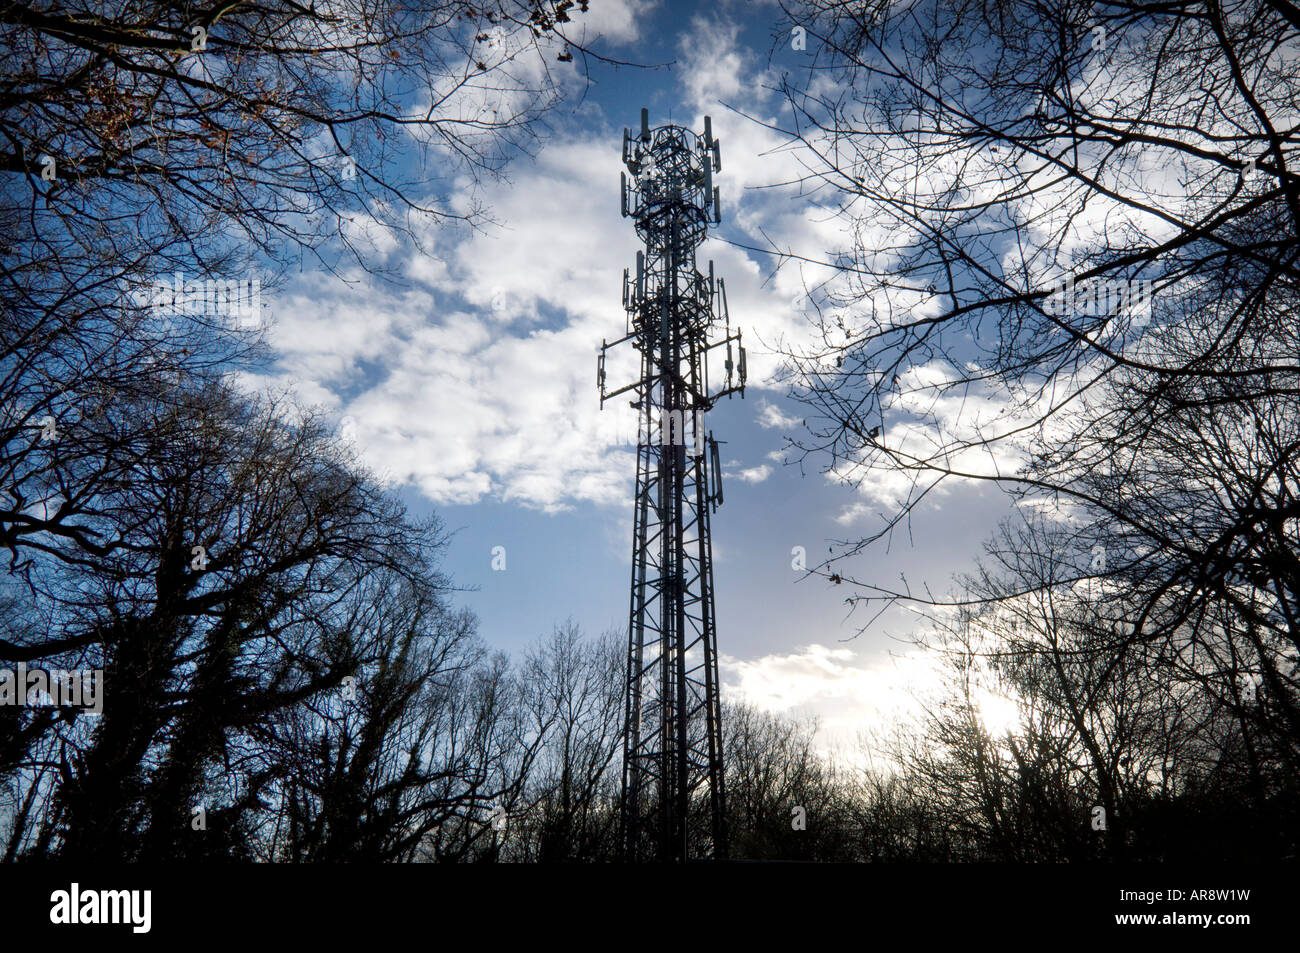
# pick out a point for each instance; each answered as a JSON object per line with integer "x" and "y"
{"x": 673, "y": 798}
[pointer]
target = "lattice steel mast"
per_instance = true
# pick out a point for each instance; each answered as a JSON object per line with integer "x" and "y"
{"x": 673, "y": 801}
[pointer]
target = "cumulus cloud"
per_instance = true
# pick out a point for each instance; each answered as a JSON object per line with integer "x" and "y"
{"x": 849, "y": 694}
{"x": 478, "y": 380}
{"x": 852, "y": 513}
{"x": 771, "y": 417}
{"x": 752, "y": 474}
{"x": 969, "y": 428}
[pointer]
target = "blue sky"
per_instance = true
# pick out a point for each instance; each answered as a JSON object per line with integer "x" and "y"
{"x": 469, "y": 382}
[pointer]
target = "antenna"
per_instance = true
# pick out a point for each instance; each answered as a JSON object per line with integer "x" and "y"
{"x": 673, "y": 798}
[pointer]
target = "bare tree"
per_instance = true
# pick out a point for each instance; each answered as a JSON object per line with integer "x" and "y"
{"x": 152, "y": 154}
{"x": 982, "y": 156}
{"x": 783, "y": 799}
{"x": 572, "y": 794}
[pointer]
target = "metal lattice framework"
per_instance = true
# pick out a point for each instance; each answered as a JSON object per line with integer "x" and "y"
{"x": 673, "y": 800}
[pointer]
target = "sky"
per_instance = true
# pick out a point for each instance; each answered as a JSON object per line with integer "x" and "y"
{"x": 469, "y": 383}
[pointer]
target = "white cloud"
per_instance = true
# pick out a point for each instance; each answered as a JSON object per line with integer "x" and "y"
{"x": 852, "y": 513}
{"x": 479, "y": 380}
{"x": 753, "y": 474}
{"x": 771, "y": 417}
{"x": 968, "y": 428}
{"x": 849, "y": 695}
{"x": 614, "y": 22}
{"x": 712, "y": 63}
